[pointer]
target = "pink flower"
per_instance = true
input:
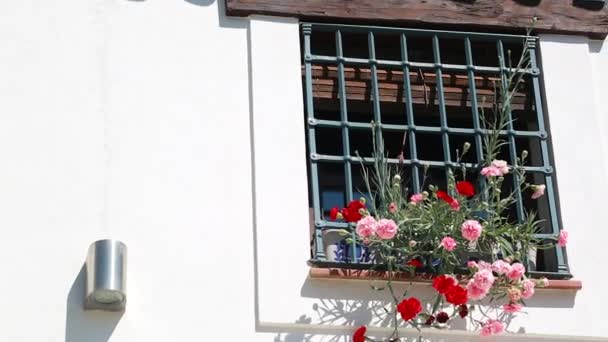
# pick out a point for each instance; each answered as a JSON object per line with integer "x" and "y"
{"x": 484, "y": 265}
{"x": 392, "y": 208}
{"x": 512, "y": 308}
{"x": 517, "y": 271}
{"x": 386, "y": 229}
{"x": 366, "y": 226}
{"x": 472, "y": 264}
{"x": 538, "y": 191}
{"x": 455, "y": 205}
{"x": 563, "y": 238}
{"x": 492, "y": 327}
{"x": 542, "y": 282}
{"x": 500, "y": 165}
{"x": 471, "y": 230}
{"x": 514, "y": 294}
{"x": 528, "y": 288}
{"x": 416, "y": 198}
{"x": 475, "y": 292}
{"x": 448, "y": 244}
{"x": 484, "y": 279}
{"x": 501, "y": 267}
{"x": 490, "y": 171}
{"x": 481, "y": 283}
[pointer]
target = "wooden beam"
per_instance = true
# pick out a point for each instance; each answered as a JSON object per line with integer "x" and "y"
{"x": 589, "y": 18}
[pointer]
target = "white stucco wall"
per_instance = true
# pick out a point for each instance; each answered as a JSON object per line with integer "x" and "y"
{"x": 159, "y": 123}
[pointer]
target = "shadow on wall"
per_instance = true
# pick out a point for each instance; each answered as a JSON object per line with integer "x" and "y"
{"x": 87, "y": 326}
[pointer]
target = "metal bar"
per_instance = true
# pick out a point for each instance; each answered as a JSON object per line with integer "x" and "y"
{"x": 477, "y": 131}
{"x": 322, "y": 59}
{"x": 312, "y": 143}
{"x": 519, "y": 205}
{"x": 562, "y": 265}
{"x": 443, "y": 117}
{"x": 409, "y": 110}
{"x": 425, "y": 129}
{"x": 417, "y": 32}
{"x": 348, "y": 176}
{"x": 430, "y": 163}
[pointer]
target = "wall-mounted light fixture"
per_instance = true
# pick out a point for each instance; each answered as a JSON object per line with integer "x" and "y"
{"x": 106, "y": 266}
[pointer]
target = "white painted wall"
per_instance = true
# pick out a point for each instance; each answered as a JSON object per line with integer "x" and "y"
{"x": 159, "y": 123}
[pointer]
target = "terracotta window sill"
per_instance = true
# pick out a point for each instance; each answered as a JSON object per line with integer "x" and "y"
{"x": 351, "y": 274}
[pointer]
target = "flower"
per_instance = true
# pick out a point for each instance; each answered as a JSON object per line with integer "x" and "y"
{"x": 514, "y": 294}
{"x": 501, "y": 267}
{"x": 474, "y": 292}
{"x": 457, "y": 295}
{"x": 463, "y": 311}
{"x": 359, "y": 335}
{"x": 392, "y": 208}
{"x": 412, "y": 243}
{"x": 442, "y": 317}
{"x": 415, "y": 263}
{"x": 490, "y": 171}
{"x": 484, "y": 265}
{"x": 430, "y": 320}
{"x": 492, "y": 327}
{"x": 416, "y": 198}
{"x": 528, "y": 288}
{"x": 479, "y": 286}
{"x": 448, "y": 244}
{"x": 443, "y": 283}
{"x": 512, "y": 308}
{"x": 472, "y": 264}
{"x": 538, "y": 191}
{"x": 500, "y": 165}
{"x": 386, "y": 229}
{"x": 465, "y": 188}
{"x": 452, "y": 202}
{"x": 334, "y": 214}
{"x": 542, "y": 282}
{"x": 352, "y": 212}
{"x": 409, "y": 308}
{"x": 471, "y": 230}
{"x": 563, "y": 238}
{"x": 517, "y": 271}
{"x": 366, "y": 226}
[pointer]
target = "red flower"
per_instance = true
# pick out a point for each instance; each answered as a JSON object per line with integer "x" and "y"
{"x": 351, "y": 212}
{"x": 430, "y": 320}
{"x": 333, "y": 213}
{"x": 443, "y": 283}
{"x": 442, "y": 195}
{"x": 457, "y": 295}
{"x": 409, "y": 308}
{"x": 442, "y": 317}
{"x": 359, "y": 335}
{"x": 415, "y": 263}
{"x": 463, "y": 311}
{"x": 465, "y": 188}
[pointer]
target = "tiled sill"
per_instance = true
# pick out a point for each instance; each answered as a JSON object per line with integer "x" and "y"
{"x": 351, "y": 274}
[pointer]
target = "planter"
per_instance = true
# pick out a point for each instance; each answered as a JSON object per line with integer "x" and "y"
{"x": 335, "y": 248}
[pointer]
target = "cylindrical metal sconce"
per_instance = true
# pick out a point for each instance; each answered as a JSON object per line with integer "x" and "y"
{"x": 106, "y": 266}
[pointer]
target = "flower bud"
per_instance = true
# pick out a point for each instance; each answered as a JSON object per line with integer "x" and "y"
{"x": 362, "y": 200}
{"x": 413, "y": 243}
{"x": 543, "y": 282}
{"x": 432, "y": 187}
{"x": 425, "y": 194}
{"x": 466, "y": 147}
{"x": 524, "y": 154}
{"x": 397, "y": 178}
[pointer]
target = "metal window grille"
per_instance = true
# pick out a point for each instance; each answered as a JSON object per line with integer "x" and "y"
{"x": 407, "y": 62}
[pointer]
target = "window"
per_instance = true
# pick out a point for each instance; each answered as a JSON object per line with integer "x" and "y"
{"x": 427, "y": 92}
